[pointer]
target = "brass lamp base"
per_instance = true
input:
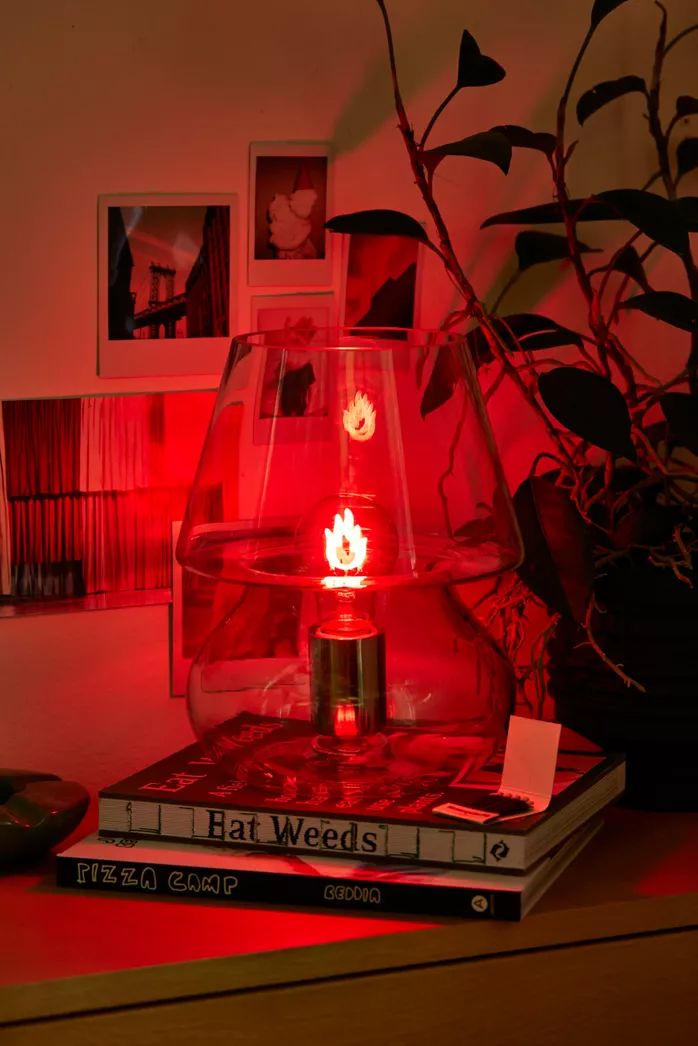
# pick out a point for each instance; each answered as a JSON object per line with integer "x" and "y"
{"x": 347, "y": 680}
{"x": 348, "y": 754}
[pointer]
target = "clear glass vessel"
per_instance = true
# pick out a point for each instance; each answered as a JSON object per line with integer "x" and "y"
{"x": 354, "y": 487}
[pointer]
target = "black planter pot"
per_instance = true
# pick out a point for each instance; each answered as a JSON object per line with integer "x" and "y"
{"x": 650, "y": 628}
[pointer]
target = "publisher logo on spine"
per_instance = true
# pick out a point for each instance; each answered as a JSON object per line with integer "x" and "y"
{"x": 479, "y": 903}
{"x": 499, "y": 850}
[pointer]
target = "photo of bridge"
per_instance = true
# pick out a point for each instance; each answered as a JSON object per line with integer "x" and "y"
{"x": 169, "y": 272}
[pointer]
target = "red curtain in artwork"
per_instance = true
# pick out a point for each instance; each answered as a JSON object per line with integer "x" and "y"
{"x": 42, "y": 448}
{"x": 127, "y": 541}
{"x": 46, "y": 530}
{"x": 42, "y": 445}
{"x": 116, "y": 442}
{"x": 93, "y": 485}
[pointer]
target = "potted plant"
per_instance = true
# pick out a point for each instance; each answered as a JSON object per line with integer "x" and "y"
{"x": 609, "y": 510}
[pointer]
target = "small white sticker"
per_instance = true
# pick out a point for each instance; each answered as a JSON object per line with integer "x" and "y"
{"x": 479, "y": 903}
{"x": 465, "y": 813}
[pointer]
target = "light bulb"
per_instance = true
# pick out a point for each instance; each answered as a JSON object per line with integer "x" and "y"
{"x": 347, "y": 541}
{"x": 349, "y": 544}
{"x": 345, "y": 549}
{"x": 359, "y": 418}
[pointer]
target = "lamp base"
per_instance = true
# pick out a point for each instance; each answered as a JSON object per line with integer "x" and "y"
{"x": 441, "y": 708}
{"x": 305, "y": 765}
{"x": 299, "y": 764}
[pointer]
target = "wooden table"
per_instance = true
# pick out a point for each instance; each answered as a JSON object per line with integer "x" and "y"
{"x": 610, "y": 955}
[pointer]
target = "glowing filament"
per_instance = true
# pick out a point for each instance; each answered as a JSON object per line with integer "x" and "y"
{"x": 345, "y": 545}
{"x": 359, "y": 419}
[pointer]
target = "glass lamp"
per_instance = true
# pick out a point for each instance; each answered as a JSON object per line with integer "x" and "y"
{"x": 365, "y": 486}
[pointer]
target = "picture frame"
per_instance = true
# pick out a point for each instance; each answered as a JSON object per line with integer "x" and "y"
{"x": 284, "y": 312}
{"x": 288, "y": 244}
{"x": 88, "y": 488}
{"x": 381, "y": 281}
{"x": 167, "y": 283}
{"x": 269, "y": 312}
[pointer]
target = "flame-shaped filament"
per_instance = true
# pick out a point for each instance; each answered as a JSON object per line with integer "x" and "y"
{"x": 359, "y": 419}
{"x": 345, "y": 545}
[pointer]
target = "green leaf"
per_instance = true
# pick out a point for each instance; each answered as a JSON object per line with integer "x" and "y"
{"x": 645, "y": 524}
{"x": 533, "y": 248}
{"x": 476, "y": 69}
{"x": 628, "y": 262}
{"x": 653, "y": 215}
{"x": 478, "y": 345}
{"x": 669, "y": 306}
{"x": 686, "y": 105}
{"x": 687, "y": 155}
{"x": 681, "y": 411}
{"x": 558, "y": 562}
{"x": 595, "y": 98}
{"x": 589, "y": 405}
{"x": 442, "y": 380}
{"x": 522, "y": 138}
{"x": 540, "y": 332}
{"x": 602, "y": 8}
{"x": 378, "y": 223}
{"x": 487, "y": 145}
{"x": 672, "y": 219}
{"x": 532, "y": 330}
{"x": 587, "y": 210}
{"x": 687, "y": 206}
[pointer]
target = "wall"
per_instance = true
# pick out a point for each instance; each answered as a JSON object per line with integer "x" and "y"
{"x": 165, "y": 95}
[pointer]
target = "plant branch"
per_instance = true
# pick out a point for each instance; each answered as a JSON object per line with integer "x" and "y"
{"x": 617, "y": 669}
{"x": 581, "y": 473}
{"x": 450, "y": 260}
{"x": 505, "y": 290}
{"x": 437, "y": 114}
{"x": 560, "y": 158}
{"x": 655, "y": 126}
{"x": 679, "y": 36}
{"x": 606, "y": 346}
{"x": 661, "y": 140}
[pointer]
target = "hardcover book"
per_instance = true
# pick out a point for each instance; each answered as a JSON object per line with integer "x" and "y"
{"x": 227, "y": 874}
{"x": 186, "y": 797}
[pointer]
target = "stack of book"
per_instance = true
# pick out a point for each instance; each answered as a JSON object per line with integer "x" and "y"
{"x": 181, "y": 827}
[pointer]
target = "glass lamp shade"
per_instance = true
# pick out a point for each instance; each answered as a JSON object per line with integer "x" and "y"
{"x": 348, "y": 481}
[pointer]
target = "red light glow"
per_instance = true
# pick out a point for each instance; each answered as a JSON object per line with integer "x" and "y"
{"x": 345, "y": 724}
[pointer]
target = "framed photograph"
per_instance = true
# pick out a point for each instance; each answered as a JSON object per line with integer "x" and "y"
{"x": 166, "y": 283}
{"x": 292, "y": 386}
{"x": 381, "y": 281}
{"x": 290, "y": 200}
{"x": 273, "y": 312}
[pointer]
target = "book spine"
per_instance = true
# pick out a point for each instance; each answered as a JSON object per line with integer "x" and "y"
{"x": 319, "y": 891}
{"x": 450, "y": 845}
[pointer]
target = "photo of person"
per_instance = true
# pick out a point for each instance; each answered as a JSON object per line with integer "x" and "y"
{"x": 290, "y": 207}
{"x": 289, "y": 201}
